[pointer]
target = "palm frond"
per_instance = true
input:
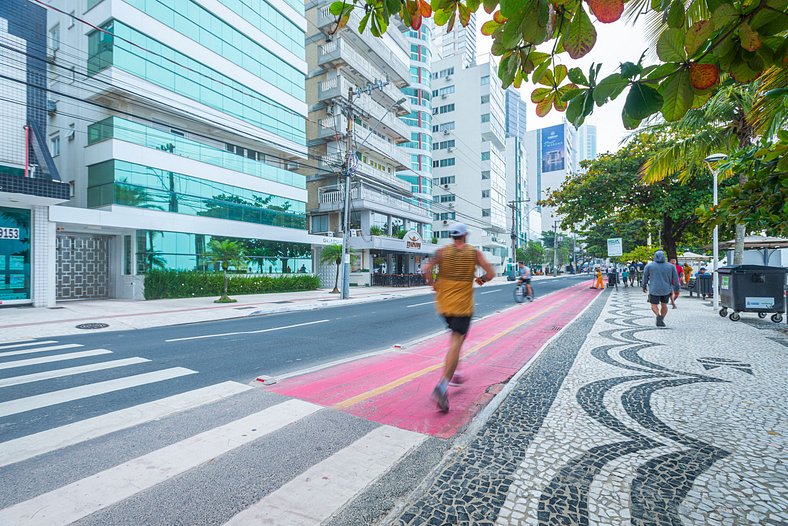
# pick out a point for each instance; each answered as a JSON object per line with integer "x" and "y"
{"x": 679, "y": 157}
{"x": 769, "y": 113}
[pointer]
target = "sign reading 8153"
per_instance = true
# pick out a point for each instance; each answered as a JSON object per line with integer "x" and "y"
{"x": 9, "y": 233}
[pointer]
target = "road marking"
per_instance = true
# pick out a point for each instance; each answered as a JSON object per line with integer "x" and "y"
{"x": 59, "y": 373}
{"x": 41, "y": 349}
{"x": 420, "y": 304}
{"x": 246, "y": 332}
{"x": 489, "y": 292}
{"x": 81, "y": 498}
{"x": 330, "y": 484}
{"x": 30, "y": 403}
{"x": 416, "y": 374}
{"x": 19, "y": 344}
{"x": 53, "y": 358}
{"x": 36, "y": 444}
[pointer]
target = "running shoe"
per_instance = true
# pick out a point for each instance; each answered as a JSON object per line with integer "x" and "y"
{"x": 441, "y": 398}
{"x": 457, "y": 379}
{"x": 660, "y": 321}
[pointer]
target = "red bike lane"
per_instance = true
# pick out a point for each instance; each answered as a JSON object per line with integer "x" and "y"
{"x": 394, "y": 388}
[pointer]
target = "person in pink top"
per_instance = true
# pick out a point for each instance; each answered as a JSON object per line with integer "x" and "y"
{"x": 677, "y": 285}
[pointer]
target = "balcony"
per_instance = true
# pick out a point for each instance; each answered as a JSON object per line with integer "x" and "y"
{"x": 365, "y": 197}
{"x": 393, "y": 64}
{"x": 337, "y": 87}
{"x": 334, "y": 127}
{"x": 493, "y": 131}
{"x": 334, "y": 162}
{"x": 338, "y": 53}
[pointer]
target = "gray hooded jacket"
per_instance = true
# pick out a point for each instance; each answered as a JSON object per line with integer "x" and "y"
{"x": 659, "y": 275}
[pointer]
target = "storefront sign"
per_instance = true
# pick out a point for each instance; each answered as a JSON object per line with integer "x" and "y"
{"x": 327, "y": 240}
{"x": 9, "y": 233}
{"x": 413, "y": 240}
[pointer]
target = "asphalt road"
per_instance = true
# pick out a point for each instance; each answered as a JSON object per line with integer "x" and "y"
{"x": 241, "y": 349}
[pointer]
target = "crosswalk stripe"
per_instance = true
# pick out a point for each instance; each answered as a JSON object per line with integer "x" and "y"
{"x": 83, "y": 497}
{"x": 59, "y": 373}
{"x": 41, "y": 349}
{"x": 22, "y": 343}
{"x": 313, "y": 496}
{"x": 53, "y": 358}
{"x": 36, "y": 444}
{"x": 30, "y": 403}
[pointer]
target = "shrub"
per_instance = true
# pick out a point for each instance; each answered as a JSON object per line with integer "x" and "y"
{"x": 161, "y": 284}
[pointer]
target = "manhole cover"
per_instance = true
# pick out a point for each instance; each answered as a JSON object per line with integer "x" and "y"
{"x": 92, "y": 325}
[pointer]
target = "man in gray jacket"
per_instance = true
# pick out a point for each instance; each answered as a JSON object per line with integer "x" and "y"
{"x": 659, "y": 276}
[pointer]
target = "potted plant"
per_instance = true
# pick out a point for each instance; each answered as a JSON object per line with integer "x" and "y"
{"x": 375, "y": 231}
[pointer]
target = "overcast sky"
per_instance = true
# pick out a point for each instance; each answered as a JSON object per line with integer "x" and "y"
{"x": 617, "y": 42}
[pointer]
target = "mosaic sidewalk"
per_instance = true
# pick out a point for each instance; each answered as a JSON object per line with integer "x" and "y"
{"x": 619, "y": 422}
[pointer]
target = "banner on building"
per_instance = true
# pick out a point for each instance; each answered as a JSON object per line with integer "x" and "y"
{"x": 553, "y": 150}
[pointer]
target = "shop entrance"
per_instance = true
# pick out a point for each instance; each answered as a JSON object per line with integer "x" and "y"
{"x": 82, "y": 267}
{"x": 14, "y": 255}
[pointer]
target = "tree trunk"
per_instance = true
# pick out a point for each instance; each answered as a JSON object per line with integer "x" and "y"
{"x": 336, "y": 280}
{"x": 738, "y": 249}
{"x": 668, "y": 239}
{"x": 225, "y": 283}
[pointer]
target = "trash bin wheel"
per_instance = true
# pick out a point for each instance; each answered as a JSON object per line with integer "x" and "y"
{"x": 723, "y": 312}
{"x": 734, "y": 316}
{"x": 777, "y": 317}
{"x": 762, "y": 315}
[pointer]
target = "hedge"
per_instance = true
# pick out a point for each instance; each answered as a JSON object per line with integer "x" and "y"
{"x": 187, "y": 284}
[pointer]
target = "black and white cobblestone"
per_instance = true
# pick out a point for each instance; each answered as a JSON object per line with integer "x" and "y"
{"x": 619, "y": 422}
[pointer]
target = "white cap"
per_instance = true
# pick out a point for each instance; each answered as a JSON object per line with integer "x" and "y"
{"x": 458, "y": 230}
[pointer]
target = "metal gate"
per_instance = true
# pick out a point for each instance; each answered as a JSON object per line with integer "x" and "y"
{"x": 82, "y": 266}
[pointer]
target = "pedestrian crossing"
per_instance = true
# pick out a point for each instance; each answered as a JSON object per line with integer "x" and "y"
{"x": 120, "y": 466}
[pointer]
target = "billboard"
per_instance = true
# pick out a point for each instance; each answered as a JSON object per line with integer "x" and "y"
{"x": 553, "y": 152}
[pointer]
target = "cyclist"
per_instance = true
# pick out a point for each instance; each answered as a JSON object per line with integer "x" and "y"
{"x": 524, "y": 277}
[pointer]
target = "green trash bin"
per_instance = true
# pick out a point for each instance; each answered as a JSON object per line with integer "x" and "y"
{"x": 752, "y": 288}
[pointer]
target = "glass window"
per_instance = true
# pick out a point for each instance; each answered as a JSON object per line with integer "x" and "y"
{"x": 127, "y": 252}
{"x": 486, "y": 156}
{"x": 14, "y": 254}
{"x": 319, "y": 223}
{"x": 485, "y": 175}
{"x": 485, "y": 117}
{"x": 54, "y": 37}
{"x": 485, "y": 194}
{"x": 485, "y": 80}
{"x": 54, "y": 144}
{"x": 485, "y": 99}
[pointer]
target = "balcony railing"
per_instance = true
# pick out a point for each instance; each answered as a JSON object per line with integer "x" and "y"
{"x": 334, "y": 195}
{"x": 335, "y": 126}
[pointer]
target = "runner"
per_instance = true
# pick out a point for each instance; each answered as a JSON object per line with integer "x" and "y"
{"x": 456, "y": 264}
{"x": 659, "y": 277}
{"x": 524, "y": 276}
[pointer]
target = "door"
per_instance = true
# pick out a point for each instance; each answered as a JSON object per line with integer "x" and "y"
{"x": 82, "y": 266}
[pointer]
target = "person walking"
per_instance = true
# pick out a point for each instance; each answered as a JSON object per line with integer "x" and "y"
{"x": 598, "y": 284}
{"x": 677, "y": 284}
{"x": 633, "y": 270}
{"x": 659, "y": 277}
{"x": 456, "y": 265}
{"x": 625, "y": 277}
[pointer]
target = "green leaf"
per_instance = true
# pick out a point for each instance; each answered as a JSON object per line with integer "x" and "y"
{"x": 581, "y": 34}
{"x": 539, "y": 72}
{"x": 609, "y": 88}
{"x": 336, "y": 8}
{"x": 362, "y": 26}
{"x": 750, "y": 39}
{"x": 559, "y": 74}
{"x": 642, "y": 101}
{"x": 697, "y": 35}
{"x": 662, "y": 70}
{"x": 473, "y": 5}
{"x": 630, "y": 123}
{"x": 742, "y": 72}
{"x": 535, "y": 18}
{"x": 442, "y": 16}
{"x": 676, "y": 14}
{"x": 490, "y": 5}
{"x": 724, "y": 15}
{"x": 510, "y": 7}
{"x": 574, "y": 112}
{"x": 577, "y": 76}
{"x": 630, "y": 70}
{"x": 677, "y": 95}
{"x": 670, "y": 46}
{"x": 540, "y": 94}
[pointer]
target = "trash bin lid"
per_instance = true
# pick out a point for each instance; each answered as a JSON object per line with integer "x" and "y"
{"x": 752, "y": 268}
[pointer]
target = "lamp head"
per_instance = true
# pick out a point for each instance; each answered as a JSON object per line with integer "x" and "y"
{"x": 715, "y": 157}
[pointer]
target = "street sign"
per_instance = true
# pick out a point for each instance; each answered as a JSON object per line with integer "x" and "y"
{"x": 614, "y": 247}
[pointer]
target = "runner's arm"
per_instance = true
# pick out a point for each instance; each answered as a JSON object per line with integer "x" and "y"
{"x": 426, "y": 269}
{"x": 488, "y": 269}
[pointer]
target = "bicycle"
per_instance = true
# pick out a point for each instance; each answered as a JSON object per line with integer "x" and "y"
{"x": 520, "y": 293}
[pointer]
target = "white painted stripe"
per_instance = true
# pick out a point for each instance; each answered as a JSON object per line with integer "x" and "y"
{"x": 30, "y": 403}
{"x": 419, "y": 304}
{"x": 246, "y": 332}
{"x": 41, "y": 349}
{"x": 489, "y": 291}
{"x": 332, "y": 483}
{"x": 30, "y": 344}
{"x": 53, "y": 358}
{"x": 89, "y": 495}
{"x": 59, "y": 373}
{"x": 31, "y": 446}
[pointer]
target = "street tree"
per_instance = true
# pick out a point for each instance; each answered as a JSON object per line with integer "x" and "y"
{"x": 333, "y": 254}
{"x": 532, "y": 255}
{"x": 228, "y": 253}
{"x": 611, "y": 189}
{"x": 699, "y": 44}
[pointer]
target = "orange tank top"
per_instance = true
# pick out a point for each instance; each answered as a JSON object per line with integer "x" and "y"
{"x": 454, "y": 286}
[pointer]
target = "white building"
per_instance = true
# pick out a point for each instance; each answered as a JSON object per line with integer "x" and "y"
{"x": 586, "y": 144}
{"x": 171, "y": 134}
{"x": 387, "y": 221}
{"x": 469, "y": 173}
{"x": 459, "y": 42}
{"x": 517, "y": 195}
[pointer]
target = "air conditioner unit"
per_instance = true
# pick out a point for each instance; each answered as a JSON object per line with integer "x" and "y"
{"x": 445, "y": 222}
{"x": 450, "y": 149}
{"x": 291, "y": 166}
{"x": 446, "y": 132}
{"x": 51, "y": 106}
{"x": 443, "y": 96}
{"x": 70, "y": 134}
{"x": 447, "y": 77}
{"x": 355, "y": 233}
{"x": 451, "y": 205}
{"x": 446, "y": 186}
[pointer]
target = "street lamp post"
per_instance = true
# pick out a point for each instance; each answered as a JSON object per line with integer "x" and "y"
{"x": 715, "y": 237}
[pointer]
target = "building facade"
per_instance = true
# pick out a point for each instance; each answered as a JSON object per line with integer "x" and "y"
{"x": 469, "y": 173}
{"x": 517, "y": 195}
{"x": 177, "y": 124}
{"x": 516, "y": 113}
{"x": 459, "y": 42}
{"x": 390, "y": 226}
{"x": 586, "y": 144}
{"x": 29, "y": 180}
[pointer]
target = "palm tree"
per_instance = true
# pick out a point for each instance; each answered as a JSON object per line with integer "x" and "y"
{"x": 332, "y": 254}
{"x": 228, "y": 253}
{"x": 723, "y": 124}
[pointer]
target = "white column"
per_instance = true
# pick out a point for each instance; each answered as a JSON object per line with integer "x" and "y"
{"x": 44, "y": 248}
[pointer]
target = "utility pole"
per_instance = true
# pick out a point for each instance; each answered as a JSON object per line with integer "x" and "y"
{"x": 347, "y": 169}
{"x": 513, "y": 206}
{"x": 555, "y": 248}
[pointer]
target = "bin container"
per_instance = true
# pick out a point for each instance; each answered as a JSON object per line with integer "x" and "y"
{"x": 752, "y": 288}
{"x": 705, "y": 287}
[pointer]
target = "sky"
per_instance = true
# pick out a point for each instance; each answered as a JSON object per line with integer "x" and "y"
{"x": 616, "y": 43}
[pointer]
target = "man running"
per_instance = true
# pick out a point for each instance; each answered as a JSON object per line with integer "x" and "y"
{"x": 659, "y": 277}
{"x": 456, "y": 264}
{"x": 524, "y": 276}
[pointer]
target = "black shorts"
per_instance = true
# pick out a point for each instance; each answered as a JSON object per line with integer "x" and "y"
{"x": 656, "y": 300}
{"x": 458, "y": 324}
{"x": 527, "y": 281}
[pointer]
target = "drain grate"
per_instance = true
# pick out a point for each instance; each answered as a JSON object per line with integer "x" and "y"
{"x": 92, "y": 325}
{"x": 556, "y": 328}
